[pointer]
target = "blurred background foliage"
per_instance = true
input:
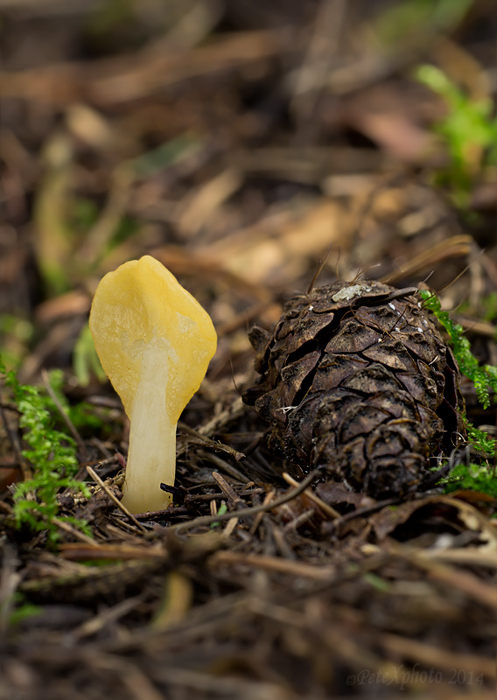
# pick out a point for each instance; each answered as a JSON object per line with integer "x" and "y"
{"x": 237, "y": 142}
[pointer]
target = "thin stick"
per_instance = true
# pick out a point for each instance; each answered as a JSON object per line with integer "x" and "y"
{"x": 67, "y": 527}
{"x": 275, "y": 564}
{"x": 315, "y": 499}
{"x": 319, "y": 270}
{"x": 118, "y": 503}
{"x": 257, "y": 520}
{"x": 246, "y": 512}
{"x": 228, "y": 490}
{"x": 468, "y": 266}
{"x": 208, "y": 442}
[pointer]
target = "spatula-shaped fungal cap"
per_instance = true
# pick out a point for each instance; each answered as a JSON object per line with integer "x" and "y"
{"x": 154, "y": 341}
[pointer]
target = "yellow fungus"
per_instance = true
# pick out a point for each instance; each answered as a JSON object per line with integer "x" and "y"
{"x": 154, "y": 341}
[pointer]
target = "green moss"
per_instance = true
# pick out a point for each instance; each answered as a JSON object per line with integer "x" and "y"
{"x": 484, "y": 378}
{"x": 469, "y": 133}
{"x": 479, "y": 472}
{"x": 52, "y": 454}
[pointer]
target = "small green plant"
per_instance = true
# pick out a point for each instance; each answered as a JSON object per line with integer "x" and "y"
{"x": 82, "y": 415}
{"x": 15, "y": 334}
{"x": 478, "y": 476}
{"x": 85, "y": 359}
{"x": 469, "y": 132}
{"x": 484, "y": 378}
{"x": 52, "y": 454}
{"x": 489, "y": 307}
{"x": 485, "y": 309}
{"x": 23, "y": 610}
{"x": 223, "y": 508}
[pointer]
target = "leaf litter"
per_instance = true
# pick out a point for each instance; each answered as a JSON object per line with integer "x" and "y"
{"x": 238, "y": 152}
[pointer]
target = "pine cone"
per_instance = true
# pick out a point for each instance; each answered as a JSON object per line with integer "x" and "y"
{"x": 357, "y": 381}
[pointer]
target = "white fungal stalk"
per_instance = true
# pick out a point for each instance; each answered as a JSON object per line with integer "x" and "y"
{"x": 152, "y": 437}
